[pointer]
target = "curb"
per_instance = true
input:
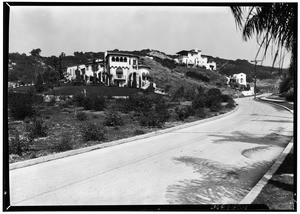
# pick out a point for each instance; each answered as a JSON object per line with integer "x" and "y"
{"x": 31, "y": 162}
{"x": 276, "y": 104}
{"x": 252, "y": 195}
{"x": 255, "y": 191}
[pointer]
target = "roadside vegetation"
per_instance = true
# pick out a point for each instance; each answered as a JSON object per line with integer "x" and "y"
{"x": 63, "y": 123}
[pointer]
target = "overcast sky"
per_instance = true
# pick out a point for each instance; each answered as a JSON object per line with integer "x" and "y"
{"x": 171, "y": 29}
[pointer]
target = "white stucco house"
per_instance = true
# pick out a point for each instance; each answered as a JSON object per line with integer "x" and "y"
{"x": 118, "y": 69}
{"x": 194, "y": 58}
{"x": 240, "y": 78}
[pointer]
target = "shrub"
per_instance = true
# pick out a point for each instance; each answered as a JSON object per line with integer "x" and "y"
{"x": 139, "y": 132}
{"x": 289, "y": 96}
{"x": 88, "y": 103}
{"x": 230, "y": 103}
{"x": 78, "y": 99}
{"x": 201, "y": 112}
{"x": 64, "y": 144}
{"x": 215, "y": 106}
{"x": 214, "y": 92}
{"x": 150, "y": 119}
{"x": 199, "y": 101}
{"x": 98, "y": 103}
{"x": 81, "y": 116}
{"x": 112, "y": 118}
{"x": 92, "y": 132}
{"x": 197, "y": 75}
{"x": 184, "y": 112}
{"x": 18, "y": 145}
{"x": 225, "y": 98}
{"x": 94, "y": 102}
{"x": 21, "y": 105}
{"x": 37, "y": 128}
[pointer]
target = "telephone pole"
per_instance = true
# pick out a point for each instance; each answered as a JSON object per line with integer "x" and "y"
{"x": 255, "y": 61}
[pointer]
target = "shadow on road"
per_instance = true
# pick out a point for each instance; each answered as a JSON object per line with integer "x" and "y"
{"x": 217, "y": 184}
{"x": 272, "y": 139}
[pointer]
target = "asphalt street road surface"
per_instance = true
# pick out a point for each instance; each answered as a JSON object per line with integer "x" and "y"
{"x": 217, "y": 162}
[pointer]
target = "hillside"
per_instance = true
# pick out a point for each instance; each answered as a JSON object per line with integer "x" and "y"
{"x": 164, "y": 71}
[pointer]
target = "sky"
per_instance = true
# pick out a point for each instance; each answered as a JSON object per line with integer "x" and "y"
{"x": 170, "y": 29}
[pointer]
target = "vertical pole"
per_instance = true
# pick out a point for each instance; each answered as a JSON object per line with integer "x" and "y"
{"x": 255, "y": 80}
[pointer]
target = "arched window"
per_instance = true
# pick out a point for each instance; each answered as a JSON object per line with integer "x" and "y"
{"x": 125, "y": 59}
{"x": 121, "y": 59}
{"x": 113, "y": 59}
{"x": 117, "y": 59}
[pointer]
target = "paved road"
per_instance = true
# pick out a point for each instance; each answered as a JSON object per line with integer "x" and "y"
{"x": 217, "y": 162}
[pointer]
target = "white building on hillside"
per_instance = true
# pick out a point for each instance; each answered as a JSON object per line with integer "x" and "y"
{"x": 240, "y": 78}
{"x": 118, "y": 69}
{"x": 86, "y": 71}
{"x": 194, "y": 58}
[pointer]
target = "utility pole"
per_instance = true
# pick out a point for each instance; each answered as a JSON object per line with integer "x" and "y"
{"x": 255, "y": 61}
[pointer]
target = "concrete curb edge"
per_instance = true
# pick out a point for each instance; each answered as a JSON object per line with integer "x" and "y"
{"x": 252, "y": 195}
{"x": 43, "y": 159}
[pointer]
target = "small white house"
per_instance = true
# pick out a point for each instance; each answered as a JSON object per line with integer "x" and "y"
{"x": 194, "y": 58}
{"x": 240, "y": 78}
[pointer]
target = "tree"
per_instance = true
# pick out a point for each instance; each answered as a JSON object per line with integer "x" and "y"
{"x": 39, "y": 83}
{"x": 50, "y": 76}
{"x": 273, "y": 23}
{"x": 36, "y": 52}
{"x": 61, "y": 74}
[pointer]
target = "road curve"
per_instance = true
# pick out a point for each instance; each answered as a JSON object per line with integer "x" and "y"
{"x": 217, "y": 162}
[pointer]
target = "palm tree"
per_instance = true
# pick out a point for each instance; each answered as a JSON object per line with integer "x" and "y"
{"x": 273, "y": 24}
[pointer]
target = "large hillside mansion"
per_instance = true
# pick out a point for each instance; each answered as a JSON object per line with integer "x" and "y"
{"x": 124, "y": 70}
{"x": 194, "y": 58}
{"x": 119, "y": 69}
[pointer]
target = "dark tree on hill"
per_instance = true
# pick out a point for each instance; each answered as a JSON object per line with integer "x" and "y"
{"x": 35, "y": 55}
{"x": 60, "y": 71}
{"x": 272, "y": 23}
{"x": 39, "y": 83}
{"x": 36, "y": 52}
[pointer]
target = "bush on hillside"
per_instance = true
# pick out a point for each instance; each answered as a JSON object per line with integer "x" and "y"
{"x": 17, "y": 145}
{"x": 290, "y": 95}
{"x": 81, "y": 116}
{"x": 201, "y": 112}
{"x": 38, "y": 128}
{"x": 197, "y": 76}
{"x": 214, "y": 92}
{"x": 199, "y": 101}
{"x": 78, "y": 99}
{"x": 215, "y": 106}
{"x": 230, "y": 103}
{"x": 94, "y": 102}
{"x": 184, "y": 112}
{"x": 113, "y": 118}
{"x": 21, "y": 105}
{"x": 92, "y": 132}
{"x": 64, "y": 144}
{"x": 225, "y": 98}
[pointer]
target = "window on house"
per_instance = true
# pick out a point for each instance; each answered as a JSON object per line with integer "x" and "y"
{"x": 113, "y": 59}
{"x": 134, "y": 62}
{"x": 125, "y": 59}
{"x": 117, "y": 59}
{"x": 121, "y": 59}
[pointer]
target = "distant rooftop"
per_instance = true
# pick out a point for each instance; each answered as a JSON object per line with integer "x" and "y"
{"x": 121, "y": 54}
